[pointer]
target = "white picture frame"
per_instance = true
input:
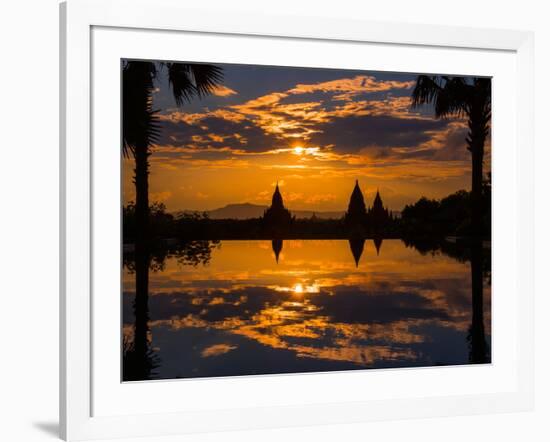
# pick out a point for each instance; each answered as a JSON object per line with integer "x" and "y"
{"x": 86, "y": 396}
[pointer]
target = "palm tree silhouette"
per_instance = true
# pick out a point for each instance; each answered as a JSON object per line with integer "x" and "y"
{"x": 140, "y": 130}
{"x": 458, "y": 96}
{"x": 140, "y": 123}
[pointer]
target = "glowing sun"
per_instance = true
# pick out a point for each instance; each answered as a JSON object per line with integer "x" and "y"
{"x": 299, "y": 150}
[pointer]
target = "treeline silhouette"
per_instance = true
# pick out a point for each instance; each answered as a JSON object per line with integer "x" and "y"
{"x": 427, "y": 218}
{"x": 449, "y": 216}
{"x": 198, "y": 226}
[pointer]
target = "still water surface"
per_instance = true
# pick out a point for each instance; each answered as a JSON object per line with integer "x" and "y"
{"x": 262, "y": 307}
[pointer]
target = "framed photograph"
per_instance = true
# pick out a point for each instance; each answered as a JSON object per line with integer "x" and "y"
{"x": 282, "y": 221}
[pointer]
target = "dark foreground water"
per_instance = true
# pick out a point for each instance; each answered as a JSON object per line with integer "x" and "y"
{"x": 232, "y": 309}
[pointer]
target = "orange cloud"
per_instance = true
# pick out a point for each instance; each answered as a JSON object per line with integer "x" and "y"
{"x": 217, "y": 349}
{"x": 350, "y": 87}
{"x": 195, "y": 118}
{"x": 223, "y": 91}
{"x": 297, "y": 120}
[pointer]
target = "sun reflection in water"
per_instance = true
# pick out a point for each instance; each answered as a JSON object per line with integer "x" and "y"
{"x": 299, "y": 288}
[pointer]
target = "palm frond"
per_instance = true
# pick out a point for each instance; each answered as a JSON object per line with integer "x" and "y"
{"x": 425, "y": 90}
{"x": 188, "y": 80}
{"x": 482, "y": 87}
{"x": 207, "y": 77}
{"x": 140, "y": 124}
{"x": 180, "y": 81}
{"x": 448, "y": 95}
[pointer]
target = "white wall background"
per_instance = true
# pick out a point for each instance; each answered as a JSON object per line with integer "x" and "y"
{"x": 29, "y": 229}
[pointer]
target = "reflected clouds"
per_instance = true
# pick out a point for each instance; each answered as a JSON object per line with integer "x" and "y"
{"x": 314, "y": 310}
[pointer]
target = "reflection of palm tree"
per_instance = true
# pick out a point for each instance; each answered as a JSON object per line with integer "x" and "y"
{"x": 140, "y": 125}
{"x": 476, "y": 336}
{"x": 459, "y": 96}
{"x": 139, "y": 361}
{"x": 277, "y": 246}
{"x": 480, "y": 268}
{"x": 357, "y": 245}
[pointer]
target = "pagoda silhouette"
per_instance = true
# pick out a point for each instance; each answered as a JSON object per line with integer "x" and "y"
{"x": 277, "y": 219}
{"x": 360, "y": 221}
{"x": 378, "y": 216}
{"x": 355, "y": 219}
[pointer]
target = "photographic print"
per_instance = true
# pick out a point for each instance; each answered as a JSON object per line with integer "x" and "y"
{"x": 290, "y": 220}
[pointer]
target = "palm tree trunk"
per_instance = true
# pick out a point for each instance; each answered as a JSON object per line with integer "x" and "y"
{"x": 477, "y": 179}
{"x": 476, "y": 145}
{"x": 141, "y": 178}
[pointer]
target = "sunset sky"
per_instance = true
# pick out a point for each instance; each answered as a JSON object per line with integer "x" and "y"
{"x": 315, "y": 131}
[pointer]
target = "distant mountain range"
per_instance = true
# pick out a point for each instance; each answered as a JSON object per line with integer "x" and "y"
{"x": 248, "y": 210}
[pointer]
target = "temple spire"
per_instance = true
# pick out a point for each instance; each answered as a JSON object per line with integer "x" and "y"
{"x": 378, "y": 215}
{"x": 277, "y": 218}
{"x": 356, "y": 206}
{"x": 277, "y": 199}
{"x": 355, "y": 216}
